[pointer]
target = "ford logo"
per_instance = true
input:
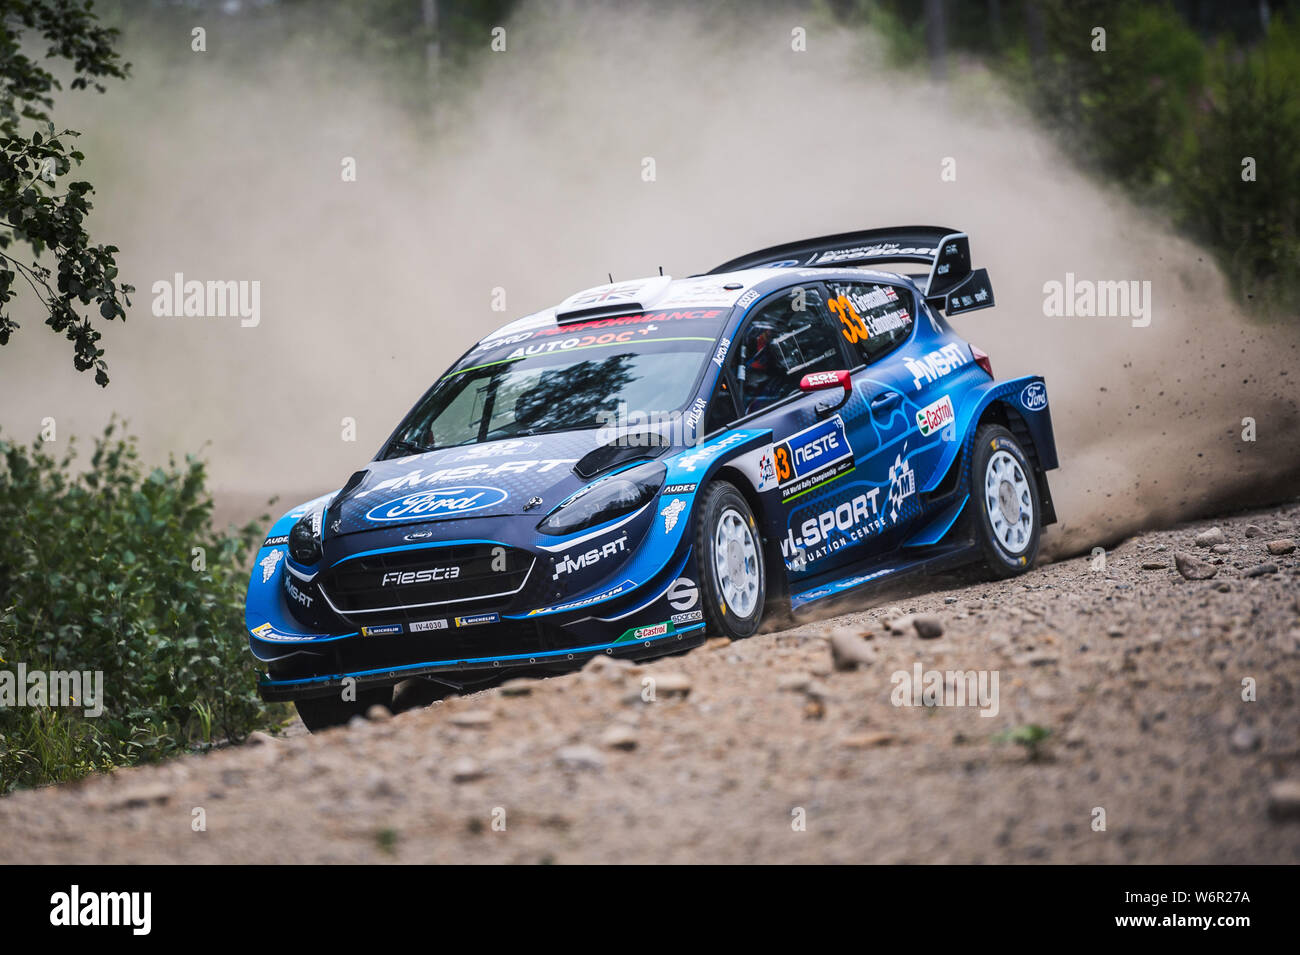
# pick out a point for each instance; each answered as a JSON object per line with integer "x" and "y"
{"x": 440, "y": 502}
{"x": 1034, "y": 397}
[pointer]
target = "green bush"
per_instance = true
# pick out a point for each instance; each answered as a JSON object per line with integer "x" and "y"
{"x": 98, "y": 571}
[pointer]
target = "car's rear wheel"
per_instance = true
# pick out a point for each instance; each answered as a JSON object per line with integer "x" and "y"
{"x": 322, "y": 712}
{"x": 729, "y": 562}
{"x": 1008, "y": 513}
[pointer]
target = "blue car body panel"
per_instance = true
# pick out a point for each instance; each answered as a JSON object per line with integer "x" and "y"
{"x": 844, "y": 496}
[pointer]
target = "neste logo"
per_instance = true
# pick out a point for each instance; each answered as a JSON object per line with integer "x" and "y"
{"x": 816, "y": 448}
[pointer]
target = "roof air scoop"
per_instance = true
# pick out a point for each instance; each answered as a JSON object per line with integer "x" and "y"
{"x": 617, "y": 298}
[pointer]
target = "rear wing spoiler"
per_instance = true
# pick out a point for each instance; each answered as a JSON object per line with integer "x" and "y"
{"x": 952, "y": 284}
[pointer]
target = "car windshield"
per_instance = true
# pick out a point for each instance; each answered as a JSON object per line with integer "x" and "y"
{"x": 587, "y": 387}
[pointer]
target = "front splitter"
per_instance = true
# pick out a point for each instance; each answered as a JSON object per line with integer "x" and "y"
{"x": 324, "y": 685}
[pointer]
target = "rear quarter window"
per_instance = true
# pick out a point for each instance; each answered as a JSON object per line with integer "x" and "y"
{"x": 874, "y": 318}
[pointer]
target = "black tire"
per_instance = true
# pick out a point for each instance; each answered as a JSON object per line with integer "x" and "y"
{"x": 777, "y": 615}
{"x": 323, "y": 712}
{"x": 1010, "y": 547}
{"x": 718, "y": 502}
{"x": 417, "y": 693}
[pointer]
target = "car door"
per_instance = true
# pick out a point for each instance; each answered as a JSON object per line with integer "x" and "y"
{"x": 895, "y": 425}
{"x": 786, "y": 337}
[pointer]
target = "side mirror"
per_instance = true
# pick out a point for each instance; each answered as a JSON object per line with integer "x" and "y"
{"x": 823, "y": 380}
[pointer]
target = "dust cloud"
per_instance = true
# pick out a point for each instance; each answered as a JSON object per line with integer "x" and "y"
{"x": 528, "y": 178}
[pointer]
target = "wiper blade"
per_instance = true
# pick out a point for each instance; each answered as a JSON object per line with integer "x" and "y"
{"x": 410, "y": 447}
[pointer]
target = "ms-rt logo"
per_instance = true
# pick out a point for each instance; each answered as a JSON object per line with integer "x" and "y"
{"x": 78, "y": 908}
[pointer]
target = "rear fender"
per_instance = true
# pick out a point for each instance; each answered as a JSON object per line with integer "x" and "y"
{"x": 1020, "y": 393}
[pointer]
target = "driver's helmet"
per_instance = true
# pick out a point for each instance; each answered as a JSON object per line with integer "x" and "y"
{"x": 765, "y": 369}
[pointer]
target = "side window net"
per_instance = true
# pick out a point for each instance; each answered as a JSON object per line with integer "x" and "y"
{"x": 783, "y": 341}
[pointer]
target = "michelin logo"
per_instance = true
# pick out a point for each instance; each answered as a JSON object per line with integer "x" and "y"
{"x": 269, "y": 563}
{"x": 671, "y": 513}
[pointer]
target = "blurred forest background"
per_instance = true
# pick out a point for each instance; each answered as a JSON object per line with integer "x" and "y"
{"x": 1184, "y": 92}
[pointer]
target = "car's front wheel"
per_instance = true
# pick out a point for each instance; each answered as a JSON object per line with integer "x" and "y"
{"x": 322, "y": 712}
{"x": 729, "y": 562}
{"x": 1004, "y": 490}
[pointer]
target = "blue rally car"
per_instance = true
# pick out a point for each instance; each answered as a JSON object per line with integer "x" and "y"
{"x": 657, "y": 460}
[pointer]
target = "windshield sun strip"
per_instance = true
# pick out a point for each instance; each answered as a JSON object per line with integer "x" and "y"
{"x": 502, "y": 361}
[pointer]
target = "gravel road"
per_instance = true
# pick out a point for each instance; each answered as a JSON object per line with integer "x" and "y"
{"x": 1118, "y": 733}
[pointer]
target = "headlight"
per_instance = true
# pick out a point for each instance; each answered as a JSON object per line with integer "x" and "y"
{"x": 304, "y": 539}
{"x": 607, "y": 499}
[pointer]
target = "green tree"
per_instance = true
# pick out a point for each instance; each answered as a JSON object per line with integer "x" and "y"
{"x": 1125, "y": 109}
{"x": 1240, "y": 189}
{"x": 41, "y": 215}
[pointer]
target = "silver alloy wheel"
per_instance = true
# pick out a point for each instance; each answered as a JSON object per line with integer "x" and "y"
{"x": 735, "y": 560}
{"x": 1008, "y": 502}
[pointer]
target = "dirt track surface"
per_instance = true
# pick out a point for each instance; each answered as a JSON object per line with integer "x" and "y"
{"x": 1136, "y": 671}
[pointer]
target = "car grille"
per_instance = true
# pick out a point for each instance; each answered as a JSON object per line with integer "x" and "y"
{"x": 425, "y": 580}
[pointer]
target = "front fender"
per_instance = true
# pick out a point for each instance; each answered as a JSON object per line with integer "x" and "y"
{"x": 659, "y": 557}
{"x": 271, "y": 628}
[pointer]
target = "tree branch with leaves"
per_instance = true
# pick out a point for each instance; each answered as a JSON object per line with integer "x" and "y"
{"x": 44, "y": 245}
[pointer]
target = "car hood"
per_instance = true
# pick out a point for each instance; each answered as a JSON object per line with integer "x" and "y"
{"x": 492, "y": 479}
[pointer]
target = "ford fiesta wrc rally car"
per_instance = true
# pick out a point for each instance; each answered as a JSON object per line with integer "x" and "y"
{"x": 654, "y": 461}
